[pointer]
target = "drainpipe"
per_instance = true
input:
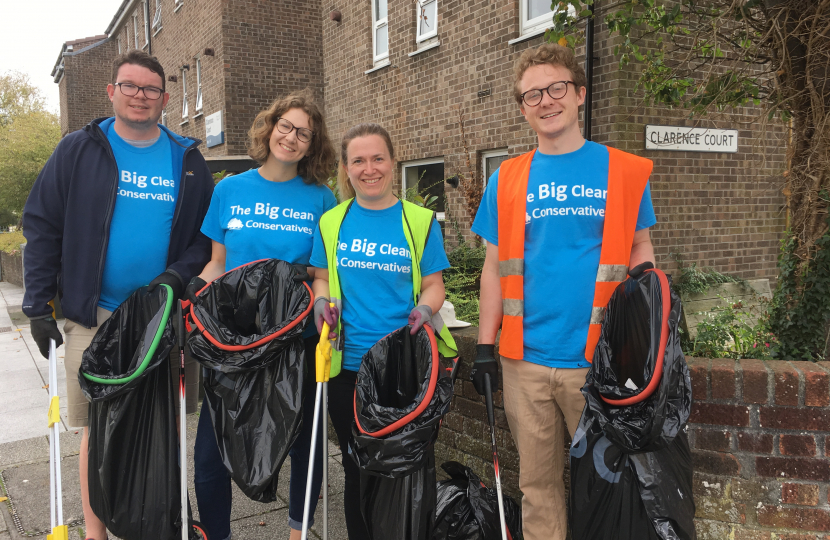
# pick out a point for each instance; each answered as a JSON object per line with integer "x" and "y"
{"x": 589, "y": 70}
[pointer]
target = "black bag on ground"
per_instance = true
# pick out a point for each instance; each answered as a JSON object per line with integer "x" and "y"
{"x": 469, "y": 510}
{"x": 249, "y": 326}
{"x": 133, "y": 443}
{"x": 631, "y": 468}
{"x": 402, "y": 393}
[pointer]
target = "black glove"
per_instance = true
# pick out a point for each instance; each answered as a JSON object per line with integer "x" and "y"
{"x": 196, "y": 284}
{"x": 301, "y": 273}
{"x": 168, "y": 278}
{"x": 42, "y": 330}
{"x": 485, "y": 364}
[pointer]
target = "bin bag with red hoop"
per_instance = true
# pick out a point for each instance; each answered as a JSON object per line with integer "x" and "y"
{"x": 133, "y": 446}
{"x": 631, "y": 468}
{"x": 398, "y": 483}
{"x": 469, "y": 510}
{"x": 253, "y": 386}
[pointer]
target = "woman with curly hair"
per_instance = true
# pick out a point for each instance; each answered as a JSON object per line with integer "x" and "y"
{"x": 291, "y": 144}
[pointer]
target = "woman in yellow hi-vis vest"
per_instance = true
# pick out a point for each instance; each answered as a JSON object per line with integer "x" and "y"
{"x": 374, "y": 255}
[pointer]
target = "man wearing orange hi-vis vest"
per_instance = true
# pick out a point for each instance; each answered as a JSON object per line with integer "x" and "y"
{"x": 563, "y": 224}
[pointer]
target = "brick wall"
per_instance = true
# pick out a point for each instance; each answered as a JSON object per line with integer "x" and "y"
{"x": 760, "y": 438}
{"x": 720, "y": 210}
{"x": 83, "y": 89}
{"x": 11, "y": 266}
{"x": 760, "y": 433}
{"x": 271, "y": 49}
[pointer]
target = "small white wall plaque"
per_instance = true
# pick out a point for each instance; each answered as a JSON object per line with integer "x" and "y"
{"x": 214, "y": 130}
{"x": 689, "y": 139}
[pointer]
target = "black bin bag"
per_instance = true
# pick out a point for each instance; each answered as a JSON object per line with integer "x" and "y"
{"x": 403, "y": 390}
{"x": 631, "y": 467}
{"x": 133, "y": 443}
{"x": 469, "y": 510}
{"x": 247, "y": 327}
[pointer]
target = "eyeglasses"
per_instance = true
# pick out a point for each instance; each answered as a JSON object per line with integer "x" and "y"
{"x": 556, "y": 90}
{"x": 303, "y": 134}
{"x": 130, "y": 90}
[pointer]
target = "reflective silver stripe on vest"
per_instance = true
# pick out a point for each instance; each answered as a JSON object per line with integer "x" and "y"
{"x": 512, "y": 267}
{"x": 611, "y": 272}
{"x": 597, "y": 313}
{"x": 513, "y": 307}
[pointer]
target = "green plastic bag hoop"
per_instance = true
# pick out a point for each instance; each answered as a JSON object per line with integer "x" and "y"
{"x": 168, "y": 307}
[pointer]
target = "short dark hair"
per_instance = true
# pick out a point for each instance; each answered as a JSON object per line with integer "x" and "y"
{"x": 138, "y": 58}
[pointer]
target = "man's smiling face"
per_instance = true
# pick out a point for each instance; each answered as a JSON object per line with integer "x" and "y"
{"x": 552, "y": 118}
{"x": 137, "y": 111}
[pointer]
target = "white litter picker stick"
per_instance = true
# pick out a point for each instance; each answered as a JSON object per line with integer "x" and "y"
{"x": 492, "y": 421}
{"x": 323, "y": 371}
{"x": 59, "y": 530}
{"x": 182, "y": 422}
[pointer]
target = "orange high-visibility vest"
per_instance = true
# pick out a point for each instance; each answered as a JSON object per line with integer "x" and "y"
{"x": 627, "y": 178}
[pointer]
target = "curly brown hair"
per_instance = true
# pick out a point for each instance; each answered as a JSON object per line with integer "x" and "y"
{"x": 547, "y": 53}
{"x": 317, "y": 164}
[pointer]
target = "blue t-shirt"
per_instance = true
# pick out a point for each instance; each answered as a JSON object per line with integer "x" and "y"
{"x": 255, "y": 218}
{"x": 139, "y": 235}
{"x": 563, "y": 238}
{"x": 375, "y": 270}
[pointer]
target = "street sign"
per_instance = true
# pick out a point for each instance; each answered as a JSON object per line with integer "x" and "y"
{"x": 688, "y": 139}
{"x": 214, "y": 130}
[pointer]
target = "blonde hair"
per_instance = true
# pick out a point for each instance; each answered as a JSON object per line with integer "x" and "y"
{"x": 316, "y": 165}
{"x": 344, "y": 185}
{"x": 551, "y": 54}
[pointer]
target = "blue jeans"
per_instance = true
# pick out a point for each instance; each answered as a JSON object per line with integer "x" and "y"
{"x": 211, "y": 480}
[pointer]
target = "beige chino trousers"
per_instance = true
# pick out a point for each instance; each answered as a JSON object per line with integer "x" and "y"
{"x": 540, "y": 403}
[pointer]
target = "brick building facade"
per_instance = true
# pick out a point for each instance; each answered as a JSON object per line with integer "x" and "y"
{"x": 417, "y": 69}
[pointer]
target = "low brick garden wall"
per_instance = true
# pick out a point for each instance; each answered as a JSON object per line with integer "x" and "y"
{"x": 11, "y": 268}
{"x": 759, "y": 432}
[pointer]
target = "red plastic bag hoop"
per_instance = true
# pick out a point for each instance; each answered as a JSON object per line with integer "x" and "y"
{"x": 433, "y": 379}
{"x": 664, "y": 338}
{"x": 187, "y": 304}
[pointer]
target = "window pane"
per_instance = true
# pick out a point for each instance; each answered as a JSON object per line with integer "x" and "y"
{"x": 382, "y": 40}
{"x": 491, "y": 164}
{"x": 381, "y": 9}
{"x": 427, "y": 17}
{"x": 537, "y": 8}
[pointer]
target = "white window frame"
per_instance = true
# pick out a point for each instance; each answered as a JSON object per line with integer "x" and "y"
{"x": 164, "y": 117}
{"x": 199, "y": 96}
{"x": 419, "y": 6}
{"x": 184, "y": 96}
{"x": 439, "y": 216}
{"x": 146, "y": 6}
{"x": 157, "y": 18}
{"x": 377, "y": 24}
{"x": 490, "y": 154}
{"x": 119, "y": 44}
{"x": 538, "y": 24}
{"x": 135, "y": 29}
{"x": 179, "y": 4}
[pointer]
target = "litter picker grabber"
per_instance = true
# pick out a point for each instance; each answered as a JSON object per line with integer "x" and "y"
{"x": 488, "y": 396}
{"x": 59, "y": 530}
{"x": 323, "y": 370}
{"x": 188, "y": 525}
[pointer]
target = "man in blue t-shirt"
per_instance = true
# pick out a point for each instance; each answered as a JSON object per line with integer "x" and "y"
{"x": 117, "y": 206}
{"x": 545, "y": 319}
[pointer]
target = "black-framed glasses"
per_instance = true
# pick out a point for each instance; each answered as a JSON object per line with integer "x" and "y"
{"x": 556, "y": 90}
{"x": 286, "y": 127}
{"x": 130, "y": 90}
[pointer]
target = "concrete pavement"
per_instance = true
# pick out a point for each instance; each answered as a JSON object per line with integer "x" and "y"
{"x": 24, "y": 450}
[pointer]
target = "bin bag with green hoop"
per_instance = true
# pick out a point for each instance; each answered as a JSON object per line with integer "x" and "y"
{"x": 133, "y": 443}
{"x": 469, "y": 510}
{"x": 631, "y": 468}
{"x": 253, "y": 392}
{"x": 398, "y": 482}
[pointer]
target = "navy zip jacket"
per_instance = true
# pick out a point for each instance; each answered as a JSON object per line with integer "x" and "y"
{"x": 67, "y": 217}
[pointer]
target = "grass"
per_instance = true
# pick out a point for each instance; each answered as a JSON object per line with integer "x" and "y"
{"x": 10, "y": 242}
